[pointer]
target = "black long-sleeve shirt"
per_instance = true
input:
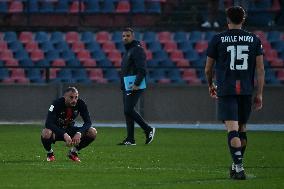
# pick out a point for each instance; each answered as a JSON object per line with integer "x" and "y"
{"x": 60, "y": 117}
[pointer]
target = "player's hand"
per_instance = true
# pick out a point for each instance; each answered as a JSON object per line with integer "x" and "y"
{"x": 134, "y": 87}
{"x": 257, "y": 102}
{"x": 213, "y": 91}
{"x": 76, "y": 139}
{"x": 67, "y": 139}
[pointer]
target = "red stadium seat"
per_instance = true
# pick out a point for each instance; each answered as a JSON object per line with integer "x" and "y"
{"x": 72, "y": 37}
{"x": 17, "y": 76}
{"x": 123, "y": 7}
{"x": 115, "y": 57}
{"x": 164, "y": 36}
{"x": 260, "y": 34}
{"x": 3, "y": 45}
{"x": 182, "y": 63}
{"x": 201, "y": 46}
{"x": 190, "y": 76}
{"x": 108, "y": 46}
{"x": 270, "y": 55}
{"x": 11, "y": 62}
{"x": 26, "y": 37}
{"x": 96, "y": 75}
{"x": 83, "y": 55}
{"x": 31, "y": 46}
{"x": 75, "y": 7}
{"x": 103, "y": 37}
{"x": 58, "y": 62}
{"x": 89, "y": 62}
{"x": 78, "y": 46}
{"x": 280, "y": 75}
{"x": 6, "y": 55}
{"x": 16, "y": 7}
{"x": 277, "y": 62}
{"x": 176, "y": 56}
{"x": 149, "y": 55}
{"x": 37, "y": 55}
{"x": 170, "y": 46}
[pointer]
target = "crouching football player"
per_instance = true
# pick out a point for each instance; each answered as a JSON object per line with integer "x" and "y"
{"x": 60, "y": 125}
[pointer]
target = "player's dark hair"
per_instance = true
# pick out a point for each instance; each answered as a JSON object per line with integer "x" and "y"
{"x": 128, "y": 29}
{"x": 72, "y": 89}
{"x": 236, "y": 14}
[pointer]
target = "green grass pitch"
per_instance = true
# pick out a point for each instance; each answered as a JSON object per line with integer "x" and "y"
{"x": 177, "y": 159}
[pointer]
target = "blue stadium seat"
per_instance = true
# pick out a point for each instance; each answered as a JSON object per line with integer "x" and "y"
{"x": 166, "y": 63}
{"x": 35, "y": 75}
{"x": 4, "y": 73}
{"x": 154, "y": 46}
{"x": 41, "y": 36}
{"x": 73, "y": 63}
{"x": 46, "y": 46}
{"x": 195, "y": 36}
{"x": 27, "y": 62}
{"x": 149, "y": 36}
{"x": 270, "y": 77}
{"x": 87, "y": 37}
{"x": 152, "y": 63}
{"x": 80, "y": 75}
{"x": 65, "y": 75}
{"x": 160, "y": 55}
{"x": 93, "y": 46}
{"x": 137, "y": 35}
{"x": 56, "y": 37}
{"x": 120, "y": 47}
{"x": 3, "y": 7}
{"x": 186, "y": 46}
{"x": 116, "y": 36}
{"x": 111, "y": 75}
{"x": 67, "y": 54}
{"x": 98, "y": 55}
{"x": 153, "y": 7}
{"x": 180, "y": 36}
{"x": 108, "y": 6}
{"x": 16, "y": 46}
{"x": 209, "y": 35}
{"x": 137, "y": 6}
{"x": 32, "y": 6}
{"x": 104, "y": 62}
{"x": 278, "y": 46}
{"x": 157, "y": 74}
{"x": 61, "y": 46}
{"x": 191, "y": 55}
{"x": 10, "y": 36}
{"x": 51, "y": 55}
{"x": 21, "y": 55}
{"x": 62, "y": 6}
{"x": 46, "y": 7}
{"x": 273, "y": 36}
{"x": 42, "y": 63}
{"x": 92, "y": 6}
{"x": 175, "y": 76}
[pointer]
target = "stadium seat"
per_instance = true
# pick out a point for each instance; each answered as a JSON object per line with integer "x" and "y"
{"x": 92, "y": 6}
{"x": 277, "y": 62}
{"x": 67, "y": 54}
{"x": 35, "y": 75}
{"x": 123, "y": 6}
{"x": 108, "y": 6}
{"x": 149, "y": 55}
{"x": 201, "y": 46}
{"x": 190, "y": 76}
{"x": 186, "y": 46}
{"x": 46, "y": 46}
{"x": 58, "y": 62}
{"x": 30, "y": 46}
{"x": 195, "y": 36}
{"x": 149, "y": 36}
{"x": 93, "y": 46}
{"x": 182, "y": 63}
{"x": 278, "y": 46}
{"x": 73, "y": 63}
{"x": 96, "y": 75}
{"x": 98, "y": 55}
{"x": 153, "y": 7}
{"x": 111, "y": 75}
{"x": 42, "y": 63}
{"x": 27, "y": 62}
{"x": 120, "y": 46}
{"x": 3, "y": 45}
{"x": 6, "y": 55}
{"x": 46, "y": 6}
{"x": 115, "y": 57}
{"x": 152, "y": 63}
{"x": 89, "y": 63}
{"x": 209, "y": 35}
{"x": 56, "y": 37}
{"x": 18, "y": 74}
{"x": 72, "y": 37}
{"x": 170, "y": 46}
{"x": 273, "y": 36}
{"x": 16, "y": 7}
{"x": 41, "y": 36}
{"x": 160, "y": 55}
{"x": 65, "y": 75}
{"x": 51, "y": 55}
{"x": 80, "y": 75}
{"x": 176, "y": 56}
{"x": 4, "y": 73}
{"x": 11, "y": 62}
{"x": 32, "y": 6}
{"x": 164, "y": 36}
{"x": 76, "y": 7}
{"x": 174, "y": 75}
{"x": 61, "y": 46}
{"x": 108, "y": 46}
{"x": 10, "y": 36}
{"x": 62, "y": 6}
{"x": 137, "y": 6}
{"x": 154, "y": 46}
{"x": 166, "y": 63}
{"x": 116, "y": 36}
{"x": 83, "y": 55}
{"x": 180, "y": 36}
{"x": 280, "y": 75}
{"x": 78, "y": 46}
{"x": 16, "y": 46}
{"x": 21, "y": 54}
{"x": 102, "y": 37}
{"x": 270, "y": 55}
{"x": 3, "y": 7}
{"x": 87, "y": 37}
{"x": 104, "y": 63}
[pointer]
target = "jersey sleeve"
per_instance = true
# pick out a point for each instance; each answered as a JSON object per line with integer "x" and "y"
{"x": 259, "y": 48}
{"x": 85, "y": 116}
{"x": 212, "y": 48}
{"x": 51, "y": 119}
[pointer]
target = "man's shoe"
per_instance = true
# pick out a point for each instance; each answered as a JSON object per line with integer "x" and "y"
{"x": 127, "y": 143}
{"x": 232, "y": 170}
{"x": 73, "y": 156}
{"x": 150, "y": 135}
{"x": 239, "y": 175}
{"x": 50, "y": 157}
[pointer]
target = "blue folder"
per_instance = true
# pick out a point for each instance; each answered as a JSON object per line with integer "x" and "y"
{"x": 129, "y": 81}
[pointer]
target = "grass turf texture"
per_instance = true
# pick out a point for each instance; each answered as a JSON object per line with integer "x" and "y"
{"x": 177, "y": 158}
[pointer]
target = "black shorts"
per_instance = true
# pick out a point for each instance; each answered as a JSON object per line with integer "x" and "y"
{"x": 234, "y": 108}
{"x": 70, "y": 131}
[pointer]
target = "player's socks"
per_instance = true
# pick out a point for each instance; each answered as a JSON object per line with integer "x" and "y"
{"x": 46, "y": 143}
{"x": 85, "y": 141}
{"x": 243, "y": 138}
{"x": 235, "y": 151}
{"x": 74, "y": 149}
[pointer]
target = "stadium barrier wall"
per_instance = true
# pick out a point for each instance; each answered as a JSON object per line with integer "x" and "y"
{"x": 160, "y": 103}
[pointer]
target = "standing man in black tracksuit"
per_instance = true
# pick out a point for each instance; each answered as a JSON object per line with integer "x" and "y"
{"x": 133, "y": 63}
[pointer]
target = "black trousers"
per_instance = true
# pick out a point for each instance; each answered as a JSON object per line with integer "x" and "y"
{"x": 131, "y": 115}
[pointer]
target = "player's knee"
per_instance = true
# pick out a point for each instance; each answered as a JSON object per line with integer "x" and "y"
{"x": 46, "y": 133}
{"x": 92, "y": 133}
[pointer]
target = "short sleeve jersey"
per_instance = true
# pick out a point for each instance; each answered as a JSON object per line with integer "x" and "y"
{"x": 235, "y": 52}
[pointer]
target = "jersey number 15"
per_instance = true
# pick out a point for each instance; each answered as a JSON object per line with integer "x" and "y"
{"x": 239, "y": 52}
